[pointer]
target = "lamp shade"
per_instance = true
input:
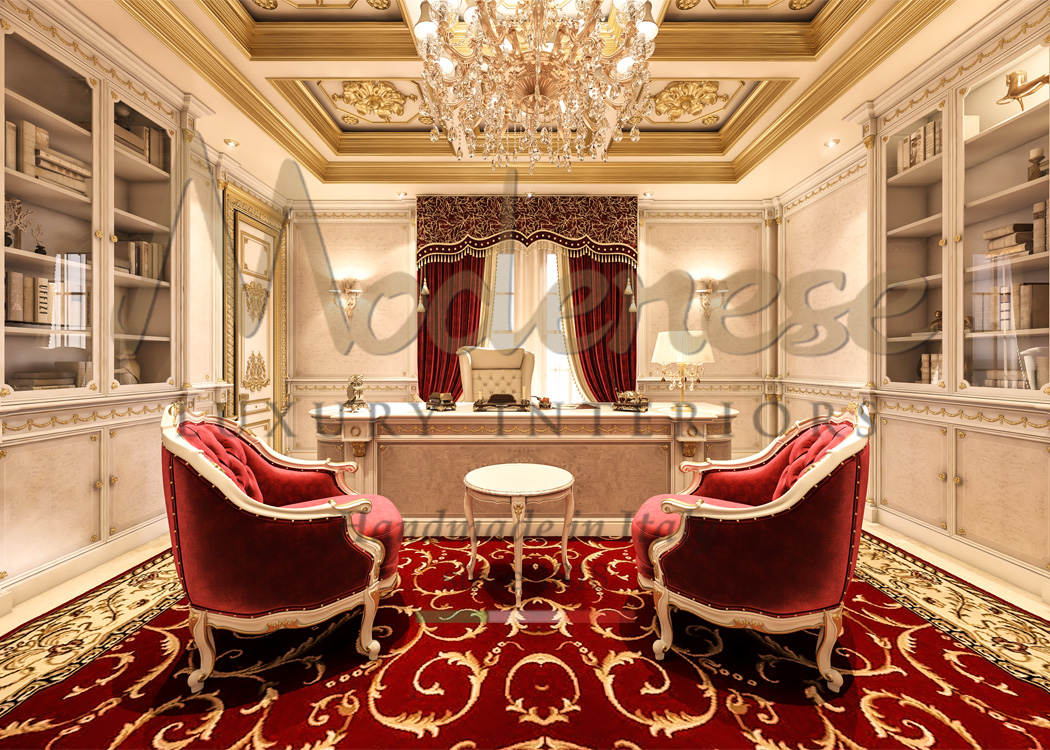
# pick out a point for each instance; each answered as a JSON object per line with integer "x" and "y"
{"x": 682, "y": 346}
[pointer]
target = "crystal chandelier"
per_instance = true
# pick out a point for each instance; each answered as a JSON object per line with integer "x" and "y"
{"x": 536, "y": 81}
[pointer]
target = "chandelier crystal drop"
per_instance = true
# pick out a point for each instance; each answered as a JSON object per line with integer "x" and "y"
{"x": 539, "y": 81}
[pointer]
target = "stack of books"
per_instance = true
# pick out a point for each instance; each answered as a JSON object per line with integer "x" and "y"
{"x": 144, "y": 141}
{"x": 930, "y": 368}
{"x": 922, "y": 144}
{"x": 38, "y": 301}
{"x": 1005, "y": 379}
{"x": 139, "y": 258}
{"x": 28, "y": 149}
{"x": 1039, "y": 227}
{"x": 42, "y": 380}
{"x": 82, "y": 369}
{"x": 1010, "y": 239}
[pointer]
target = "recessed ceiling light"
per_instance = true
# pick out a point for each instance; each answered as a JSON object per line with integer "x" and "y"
{"x": 401, "y": 195}
{"x": 647, "y": 194}
{"x": 230, "y": 142}
{"x": 832, "y": 143}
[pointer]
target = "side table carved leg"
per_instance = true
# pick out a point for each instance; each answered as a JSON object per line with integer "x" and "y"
{"x": 468, "y": 511}
{"x": 569, "y": 507}
{"x": 517, "y": 505}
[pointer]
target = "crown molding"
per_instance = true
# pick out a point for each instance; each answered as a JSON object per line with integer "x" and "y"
{"x": 896, "y": 27}
{"x": 582, "y": 172}
{"x": 843, "y": 170}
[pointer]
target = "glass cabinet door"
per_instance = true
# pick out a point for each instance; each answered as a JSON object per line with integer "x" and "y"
{"x": 1005, "y": 272}
{"x": 912, "y": 300}
{"x": 142, "y": 218}
{"x": 49, "y": 226}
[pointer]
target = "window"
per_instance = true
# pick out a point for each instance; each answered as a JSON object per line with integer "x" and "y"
{"x": 521, "y": 277}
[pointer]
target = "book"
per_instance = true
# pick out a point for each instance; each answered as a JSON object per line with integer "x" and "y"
{"x": 902, "y": 155}
{"x": 125, "y": 256}
{"x": 80, "y": 368}
{"x": 917, "y": 148}
{"x": 1039, "y": 227}
{"x": 133, "y": 137}
{"x": 1034, "y": 305}
{"x": 43, "y": 163}
{"x": 938, "y": 135}
{"x": 40, "y": 297}
{"x": 993, "y": 234}
{"x": 60, "y": 179}
{"x": 64, "y": 372}
{"x": 13, "y": 295}
{"x": 43, "y": 138}
{"x": 63, "y": 160}
{"x": 11, "y": 146}
{"x": 27, "y": 148}
{"x": 1024, "y": 248}
{"x": 928, "y": 140}
{"x": 29, "y": 299}
{"x": 1010, "y": 239}
{"x": 156, "y": 155}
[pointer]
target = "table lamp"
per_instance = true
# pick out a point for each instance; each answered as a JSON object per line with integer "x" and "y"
{"x": 682, "y": 355}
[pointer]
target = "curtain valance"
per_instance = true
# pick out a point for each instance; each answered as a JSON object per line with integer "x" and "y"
{"x": 449, "y": 227}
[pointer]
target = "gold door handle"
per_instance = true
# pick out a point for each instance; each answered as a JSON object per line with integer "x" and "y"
{"x": 113, "y": 480}
{"x": 98, "y": 233}
{"x": 942, "y": 476}
{"x": 113, "y": 238}
{"x": 957, "y": 480}
{"x": 94, "y": 537}
{"x": 112, "y": 529}
{"x": 962, "y": 532}
{"x": 942, "y": 242}
{"x": 957, "y": 237}
{"x": 944, "y": 525}
{"x": 98, "y": 485}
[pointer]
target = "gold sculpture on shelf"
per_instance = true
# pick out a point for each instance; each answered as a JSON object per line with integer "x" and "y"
{"x": 938, "y": 323}
{"x": 355, "y": 390}
{"x": 1018, "y": 86}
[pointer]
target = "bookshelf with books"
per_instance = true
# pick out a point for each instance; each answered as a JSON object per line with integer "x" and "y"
{"x": 1003, "y": 264}
{"x": 142, "y": 220}
{"x": 49, "y": 258}
{"x": 914, "y": 165}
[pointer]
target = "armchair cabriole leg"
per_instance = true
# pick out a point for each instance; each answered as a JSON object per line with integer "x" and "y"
{"x": 829, "y": 634}
{"x": 663, "y": 611}
{"x": 368, "y": 645}
{"x": 205, "y": 640}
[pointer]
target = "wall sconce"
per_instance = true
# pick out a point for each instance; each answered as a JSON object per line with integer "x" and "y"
{"x": 712, "y": 295}
{"x": 346, "y": 295}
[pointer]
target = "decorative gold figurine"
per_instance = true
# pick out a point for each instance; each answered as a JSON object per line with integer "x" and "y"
{"x": 1018, "y": 86}
{"x": 938, "y": 322}
{"x": 355, "y": 388}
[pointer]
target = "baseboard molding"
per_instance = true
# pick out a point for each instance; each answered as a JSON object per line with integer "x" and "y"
{"x": 58, "y": 574}
{"x": 504, "y": 527}
{"x": 1016, "y": 574}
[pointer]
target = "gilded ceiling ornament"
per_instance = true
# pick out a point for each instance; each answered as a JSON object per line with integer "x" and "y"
{"x": 255, "y": 295}
{"x": 266, "y": 4}
{"x": 686, "y": 4}
{"x": 379, "y": 4}
{"x": 255, "y": 378}
{"x": 374, "y": 97}
{"x": 710, "y": 120}
{"x": 680, "y": 97}
{"x": 799, "y": 4}
{"x": 351, "y": 120}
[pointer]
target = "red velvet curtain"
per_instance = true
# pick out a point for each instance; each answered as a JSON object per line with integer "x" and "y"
{"x": 451, "y": 319}
{"x": 606, "y": 339}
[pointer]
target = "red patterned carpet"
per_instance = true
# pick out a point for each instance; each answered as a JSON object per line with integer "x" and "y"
{"x": 929, "y": 663}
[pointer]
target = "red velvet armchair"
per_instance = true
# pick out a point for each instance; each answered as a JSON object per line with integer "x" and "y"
{"x": 767, "y": 542}
{"x": 262, "y": 541}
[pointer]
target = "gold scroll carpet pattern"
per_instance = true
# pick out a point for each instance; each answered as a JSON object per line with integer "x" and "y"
{"x": 599, "y": 637}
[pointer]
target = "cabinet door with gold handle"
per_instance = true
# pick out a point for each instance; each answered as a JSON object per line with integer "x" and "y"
{"x": 135, "y": 496}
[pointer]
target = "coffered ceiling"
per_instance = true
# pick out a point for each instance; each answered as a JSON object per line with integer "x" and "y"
{"x": 336, "y": 84}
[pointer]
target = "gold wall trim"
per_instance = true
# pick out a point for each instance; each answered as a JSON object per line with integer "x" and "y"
{"x": 668, "y": 172}
{"x": 979, "y": 416}
{"x": 516, "y": 430}
{"x": 888, "y": 34}
{"x": 827, "y": 185}
{"x": 703, "y": 215}
{"x": 981, "y": 56}
{"x": 819, "y": 392}
{"x": 78, "y": 419}
{"x": 400, "y": 215}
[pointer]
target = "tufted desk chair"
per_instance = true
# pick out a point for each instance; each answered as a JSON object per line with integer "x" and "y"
{"x": 262, "y": 541}
{"x": 767, "y": 542}
{"x": 491, "y": 371}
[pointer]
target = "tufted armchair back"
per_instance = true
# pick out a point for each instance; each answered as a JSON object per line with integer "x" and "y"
{"x": 491, "y": 371}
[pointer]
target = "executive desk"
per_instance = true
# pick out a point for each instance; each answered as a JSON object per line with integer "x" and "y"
{"x": 418, "y": 458}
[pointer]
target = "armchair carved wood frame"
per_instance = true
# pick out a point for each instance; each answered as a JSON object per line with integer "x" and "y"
{"x": 767, "y": 542}
{"x": 304, "y": 549}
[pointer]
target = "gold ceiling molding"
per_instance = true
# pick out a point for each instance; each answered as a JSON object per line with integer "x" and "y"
{"x": 401, "y": 215}
{"x": 827, "y": 185}
{"x": 55, "y": 33}
{"x": 680, "y": 98}
{"x": 643, "y": 171}
{"x": 889, "y": 33}
{"x": 164, "y": 20}
{"x": 981, "y": 56}
{"x": 687, "y": 143}
{"x": 703, "y": 215}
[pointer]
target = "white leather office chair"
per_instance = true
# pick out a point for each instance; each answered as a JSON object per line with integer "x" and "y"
{"x": 492, "y": 371}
